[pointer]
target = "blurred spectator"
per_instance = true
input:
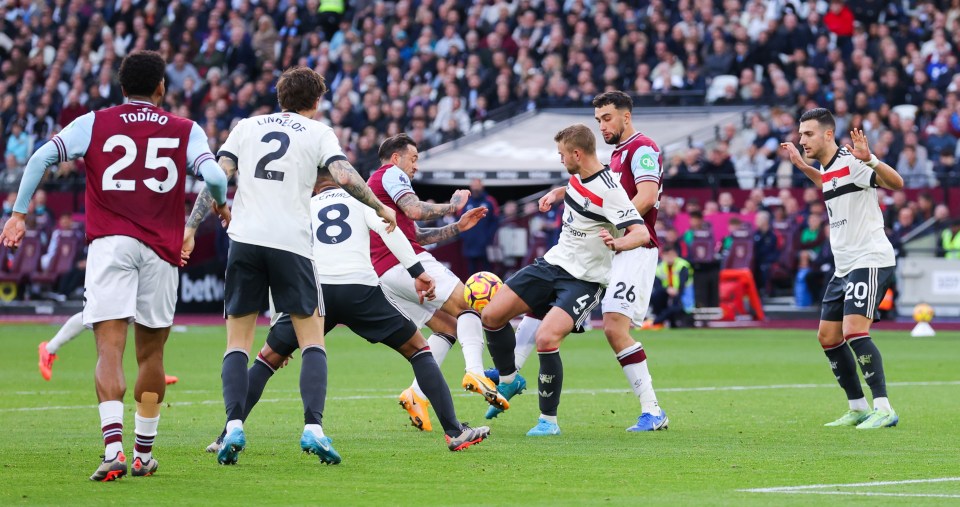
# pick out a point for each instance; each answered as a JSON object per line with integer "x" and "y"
{"x": 949, "y": 246}
{"x": 915, "y": 169}
{"x": 697, "y": 223}
{"x": 893, "y": 210}
{"x": 673, "y": 291}
{"x": 766, "y": 250}
{"x": 19, "y": 145}
{"x": 476, "y": 240}
{"x": 812, "y": 236}
{"x": 726, "y": 203}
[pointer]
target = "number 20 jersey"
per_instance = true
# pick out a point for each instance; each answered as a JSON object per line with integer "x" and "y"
{"x": 136, "y": 158}
{"x": 277, "y": 157}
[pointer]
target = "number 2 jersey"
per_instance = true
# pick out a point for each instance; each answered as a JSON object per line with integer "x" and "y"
{"x": 856, "y": 223}
{"x": 277, "y": 157}
{"x": 595, "y": 203}
{"x": 136, "y": 158}
{"x": 343, "y": 227}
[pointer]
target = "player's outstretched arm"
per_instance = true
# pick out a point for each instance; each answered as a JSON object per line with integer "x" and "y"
{"x": 433, "y": 235}
{"x": 552, "y": 197}
{"x": 220, "y": 175}
{"x": 636, "y": 236}
{"x": 796, "y": 159}
{"x": 415, "y": 209}
{"x": 887, "y": 177}
{"x": 15, "y": 228}
{"x": 349, "y": 179}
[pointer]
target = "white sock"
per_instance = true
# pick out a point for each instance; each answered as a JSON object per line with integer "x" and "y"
{"x": 111, "y": 413}
{"x": 638, "y": 374}
{"x": 439, "y": 346}
{"x": 526, "y": 340}
{"x": 859, "y": 404}
{"x": 470, "y": 336}
{"x": 549, "y": 418}
{"x": 70, "y": 329}
{"x": 234, "y": 424}
{"x": 882, "y": 404}
{"x": 315, "y": 428}
{"x": 145, "y": 430}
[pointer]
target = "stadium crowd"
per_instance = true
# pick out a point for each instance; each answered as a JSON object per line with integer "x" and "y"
{"x": 438, "y": 69}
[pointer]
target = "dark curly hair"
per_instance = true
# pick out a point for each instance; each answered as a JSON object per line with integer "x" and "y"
{"x": 299, "y": 88}
{"x": 141, "y": 72}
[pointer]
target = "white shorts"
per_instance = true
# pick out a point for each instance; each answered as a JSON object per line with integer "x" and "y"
{"x": 126, "y": 279}
{"x": 631, "y": 282}
{"x": 398, "y": 285}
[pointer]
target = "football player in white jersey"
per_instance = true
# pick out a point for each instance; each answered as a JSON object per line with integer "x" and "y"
{"x": 637, "y": 163}
{"x": 864, "y": 258}
{"x": 566, "y": 283}
{"x": 277, "y": 157}
{"x": 353, "y": 297}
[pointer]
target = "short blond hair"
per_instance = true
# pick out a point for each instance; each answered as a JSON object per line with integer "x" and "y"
{"x": 578, "y": 137}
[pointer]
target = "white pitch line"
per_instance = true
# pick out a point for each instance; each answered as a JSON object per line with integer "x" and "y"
{"x": 819, "y": 489}
{"x": 391, "y": 394}
{"x": 786, "y": 489}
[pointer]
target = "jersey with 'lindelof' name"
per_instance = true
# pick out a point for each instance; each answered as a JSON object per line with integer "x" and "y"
{"x": 594, "y": 203}
{"x": 277, "y": 157}
{"x": 856, "y": 223}
{"x": 342, "y": 229}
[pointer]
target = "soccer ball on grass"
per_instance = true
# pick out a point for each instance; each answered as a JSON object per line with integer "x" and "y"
{"x": 480, "y": 288}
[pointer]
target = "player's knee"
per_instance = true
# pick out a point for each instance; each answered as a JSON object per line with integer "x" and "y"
{"x": 547, "y": 341}
{"x": 492, "y": 319}
{"x": 829, "y": 340}
{"x": 618, "y": 339}
{"x": 271, "y": 357}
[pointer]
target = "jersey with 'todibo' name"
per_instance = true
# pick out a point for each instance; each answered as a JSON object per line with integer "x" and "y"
{"x": 595, "y": 203}
{"x": 137, "y": 157}
{"x": 389, "y": 183}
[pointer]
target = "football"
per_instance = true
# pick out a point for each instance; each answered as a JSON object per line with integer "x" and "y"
{"x": 923, "y": 313}
{"x": 480, "y": 288}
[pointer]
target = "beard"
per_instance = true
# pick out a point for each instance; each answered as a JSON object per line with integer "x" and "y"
{"x": 615, "y": 138}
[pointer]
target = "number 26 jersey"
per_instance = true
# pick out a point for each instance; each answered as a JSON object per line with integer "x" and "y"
{"x": 277, "y": 157}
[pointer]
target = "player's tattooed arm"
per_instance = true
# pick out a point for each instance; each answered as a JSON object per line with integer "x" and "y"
{"x": 433, "y": 235}
{"x": 350, "y": 180}
{"x": 204, "y": 202}
{"x": 415, "y": 209}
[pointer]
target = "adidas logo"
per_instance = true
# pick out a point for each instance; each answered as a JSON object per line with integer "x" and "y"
{"x": 858, "y": 304}
{"x": 545, "y": 394}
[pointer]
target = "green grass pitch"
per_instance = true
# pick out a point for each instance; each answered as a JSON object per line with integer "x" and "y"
{"x": 746, "y": 411}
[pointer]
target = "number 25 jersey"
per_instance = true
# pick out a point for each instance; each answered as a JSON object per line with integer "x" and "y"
{"x": 137, "y": 156}
{"x": 277, "y": 157}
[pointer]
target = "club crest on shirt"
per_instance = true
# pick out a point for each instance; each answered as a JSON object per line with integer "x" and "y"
{"x": 836, "y": 181}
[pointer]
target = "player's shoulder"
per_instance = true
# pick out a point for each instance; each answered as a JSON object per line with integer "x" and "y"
{"x": 641, "y": 140}
{"x": 603, "y": 181}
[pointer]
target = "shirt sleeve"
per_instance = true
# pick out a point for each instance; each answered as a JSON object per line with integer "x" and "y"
{"x": 330, "y": 150}
{"x": 397, "y": 243}
{"x": 619, "y": 210}
{"x": 863, "y": 176}
{"x": 396, "y": 183}
{"x": 645, "y": 165}
{"x": 72, "y": 142}
{"x": 198, "y": 150}
{"x": 231, "y": 147}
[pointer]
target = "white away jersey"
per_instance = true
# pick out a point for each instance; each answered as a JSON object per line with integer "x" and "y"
{"x": 341, "y": 242}
{"x": 856, "y": 223}
{"x": 277, "y": 157}
{"x": 598, "y": 202}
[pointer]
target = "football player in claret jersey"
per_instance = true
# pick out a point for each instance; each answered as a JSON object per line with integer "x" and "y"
{"x": 353, "y": 297}
{"x": 448, "y": 315}
{"x": 566, "y": 283}
{"x": 638, "y": 165}
{"x": 137, "y": 156}
{"x": 276, "y": 157}
{"x": 864, "y": 258}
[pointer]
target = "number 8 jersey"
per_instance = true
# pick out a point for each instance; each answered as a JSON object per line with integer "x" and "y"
{"x": 136, "y": 158}
{"x": 277, "y": 157}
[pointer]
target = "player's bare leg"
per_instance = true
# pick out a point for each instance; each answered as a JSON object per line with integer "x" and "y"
{"x": 633, "y": 360}
{"x": 111, "y": 338}
{"x": 413, "y": 399}
{"x": 844, "y": 366}
{"x": 427, "y": 371}
{"x": 556, "y": 325}
{"x": 240, "y": 333}
{"x": 856, "y": 333}
{"x": 149, "y": 391}
{"x": 313, "y": 386}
